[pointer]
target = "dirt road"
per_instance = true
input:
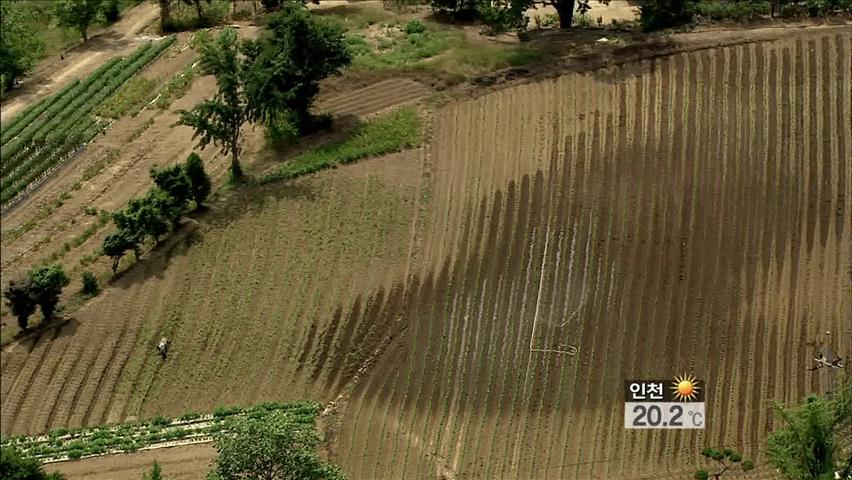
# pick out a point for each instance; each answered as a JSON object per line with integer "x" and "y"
{"x": 55, "y": 71}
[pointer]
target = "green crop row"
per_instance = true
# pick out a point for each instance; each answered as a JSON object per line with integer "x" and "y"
{"x": 129, "y": 437}
{"x": 66, "y": 123}
{"x": 32, "y": 112}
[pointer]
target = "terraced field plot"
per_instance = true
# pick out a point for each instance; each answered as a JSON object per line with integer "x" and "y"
{"x": 684, "y": 214}
{"x": 688, "y": 214}
{"x": 36, "y": 141}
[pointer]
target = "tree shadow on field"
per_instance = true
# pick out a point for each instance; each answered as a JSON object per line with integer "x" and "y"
{"x": 192, "y": 230}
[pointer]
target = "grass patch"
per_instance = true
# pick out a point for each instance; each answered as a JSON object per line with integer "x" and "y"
{"x": 399, "y": 130}
{"x": 130, "y": 98}
{"x": 429, "y": 48}
{"x": 396, "y": 47}
{"x": 176, "y": 87}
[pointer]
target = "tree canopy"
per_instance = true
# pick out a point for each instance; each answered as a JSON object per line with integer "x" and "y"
{"x": 14, "y": 466}
{"x": 808, "y": 445}
{"x": 272, "y": 448}
{"x": 78, "y": 14}
{"x": 262, "y": 80}
{"x": 20, "y": 45}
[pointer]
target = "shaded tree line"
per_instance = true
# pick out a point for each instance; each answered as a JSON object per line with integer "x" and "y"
{"x": 175, "y": 189}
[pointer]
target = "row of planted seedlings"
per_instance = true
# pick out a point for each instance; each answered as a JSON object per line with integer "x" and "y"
{"x": 71, "y": 444}
{"x": 66, "y": 124}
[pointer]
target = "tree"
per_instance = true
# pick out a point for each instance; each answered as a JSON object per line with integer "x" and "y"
{"x": 808, "y": 446}
{"x": 199, "y": 181}
{"x": 20, "y": 45}
{"x": 20, "y": 299}
{"x": 220, "y": 119}
{"x": 725, "y": 460}
{"x": 14, "y": 466}
{"x": 658, "y": 14}
{"x": 78, "y": 14}
{"x": 155, "y": 474}
{"x": 114, "y": 246}
{"x": 165, "y": 13}
{"x": 47, "y": 284}
{"x": 284, "y": 76}
{"x": 198, "y": 8}
{"x": 274, "y": 448}
{"x": 175, "y": 183}
{"x": 111, "y": 13}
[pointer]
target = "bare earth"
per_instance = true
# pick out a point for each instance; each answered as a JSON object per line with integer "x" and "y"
{"x": 623, "y": 211}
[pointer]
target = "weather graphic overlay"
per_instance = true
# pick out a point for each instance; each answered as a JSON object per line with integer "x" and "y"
{"x": 667, "y": 404}
{"x": 685, "y": 388}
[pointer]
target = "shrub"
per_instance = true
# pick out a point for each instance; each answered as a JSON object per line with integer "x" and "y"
{"x": 75, "y": 454}
{"x": 160, "y": 421}
{"x": 90, "y": 284}
{"x": 414, "y": 26}
{"x": 731, "y": 10}
{"x": 659, "y": 14}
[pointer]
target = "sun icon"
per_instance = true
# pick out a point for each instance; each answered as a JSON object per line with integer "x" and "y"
{"x": 684, "y": 388}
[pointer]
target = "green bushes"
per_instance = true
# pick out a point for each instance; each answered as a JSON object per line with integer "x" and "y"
{"x": 48, "y": 134}
{"x": 129, "y": 437}
{"x": 731, "y": 10}
{"x": 396, "y": 131}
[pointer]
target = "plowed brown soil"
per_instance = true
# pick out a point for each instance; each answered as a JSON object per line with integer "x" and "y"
{"x": 688, "y": 213}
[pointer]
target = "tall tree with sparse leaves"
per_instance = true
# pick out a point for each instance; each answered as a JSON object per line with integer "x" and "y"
{"x": 78, "y": 14}
{"x": 220, "y": 119}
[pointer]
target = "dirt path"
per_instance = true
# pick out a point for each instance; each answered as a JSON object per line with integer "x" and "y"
{"x": 180, "y": 463}
{"x": 53, "y": 72}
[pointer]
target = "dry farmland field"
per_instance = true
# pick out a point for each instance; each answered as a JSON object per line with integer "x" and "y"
{"x": 471, "y": 308}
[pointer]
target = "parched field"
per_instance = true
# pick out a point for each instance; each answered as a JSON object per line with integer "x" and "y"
{"x": 472, "y": 309}
{"x": 687, "y": 214}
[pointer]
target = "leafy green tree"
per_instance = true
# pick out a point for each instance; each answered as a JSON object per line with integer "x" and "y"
{"x": 284, "y": 76}
{"x": 21, "y": 301}
{"x": 725, "y": 459}
{"x": 78, "y": 14}
{"x": 274, "y": 448}
{"x": 20, "y": 45}
{"x": 198, "y": 8}
{"x": 155, "y": 473}
{"x": 142, "y": 218}
{"x": 47, "y": 284}
{"x": 165, "y": 14}
{"x": 116, "y": 244}
{"x": 174, "y": 181}
{"x": 199, "y": 181}
{"x": 14, "y": 466}
{"x": 808, "y": 446}
{"x": 220, "y": 119}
